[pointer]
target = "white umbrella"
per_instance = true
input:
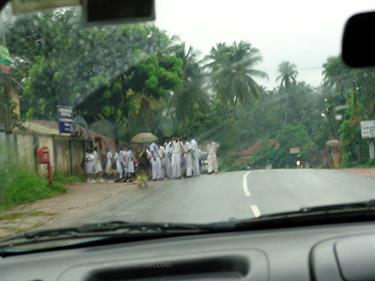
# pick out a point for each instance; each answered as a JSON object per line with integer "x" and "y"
{"x": 144, "y": 138}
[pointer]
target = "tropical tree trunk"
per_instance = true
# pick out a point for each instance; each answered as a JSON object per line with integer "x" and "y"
{"x": 286, "y": 107}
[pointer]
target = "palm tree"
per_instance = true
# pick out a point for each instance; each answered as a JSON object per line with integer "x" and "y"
{"x": 343, "y": 80}
{"x": 336, "y": 75}
{"x": 288, "y": 74}
{"x": 190, "y": 97}
{"x": 232, "y": 73}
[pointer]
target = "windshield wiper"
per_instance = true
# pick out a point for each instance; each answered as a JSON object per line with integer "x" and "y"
{"x": 106, "y": 229}
{"x": 346, "y": 207}
{"x": 326, "y": 214}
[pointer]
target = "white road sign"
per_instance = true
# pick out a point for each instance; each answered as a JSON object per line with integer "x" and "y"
{"x": 295, "y": 150}
{"x": 368, "y": 129}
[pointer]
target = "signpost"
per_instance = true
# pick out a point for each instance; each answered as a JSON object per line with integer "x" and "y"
{"x": 65, "y": 115}
{"x": 368, "y": 132}
{"x": 295, "y": 150}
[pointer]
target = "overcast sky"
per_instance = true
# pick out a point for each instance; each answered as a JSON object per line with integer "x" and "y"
{"x": 302, "y": 32}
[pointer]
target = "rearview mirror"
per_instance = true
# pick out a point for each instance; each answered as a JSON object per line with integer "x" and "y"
{"x": 358, "y": 44}
{"x": 110, "y": 11}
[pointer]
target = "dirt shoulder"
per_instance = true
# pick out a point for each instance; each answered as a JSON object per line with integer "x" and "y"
{"x": 365, "y": 172}
{"x": 49, "y": 211}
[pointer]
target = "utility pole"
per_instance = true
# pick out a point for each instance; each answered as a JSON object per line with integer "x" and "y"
{"x": 286, "y": 106}
{"x": 371, "y": 147}
{"x": 286, "y": 123}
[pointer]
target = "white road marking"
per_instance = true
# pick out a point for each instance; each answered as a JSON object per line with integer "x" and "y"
{"x": 255, "y": 210}
{"x": 244, "y": 185}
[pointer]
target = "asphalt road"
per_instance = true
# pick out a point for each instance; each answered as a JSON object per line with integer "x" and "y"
{"x": 237, "y": 195}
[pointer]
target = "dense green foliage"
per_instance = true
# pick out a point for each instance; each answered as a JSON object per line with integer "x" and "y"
{"x": 126, "y": 79}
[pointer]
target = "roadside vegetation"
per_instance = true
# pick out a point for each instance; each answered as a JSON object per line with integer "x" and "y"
{"x": 126, "y": 79}
{"x": 19, "y": 185}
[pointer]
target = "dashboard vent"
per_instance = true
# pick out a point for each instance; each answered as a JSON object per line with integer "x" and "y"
{"x": 215, "y": 268}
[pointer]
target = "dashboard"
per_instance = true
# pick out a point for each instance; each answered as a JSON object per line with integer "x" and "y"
{"x": 323, "y": 252}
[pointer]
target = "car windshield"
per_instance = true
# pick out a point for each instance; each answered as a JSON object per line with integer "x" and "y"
{"x": 214, "y": 111}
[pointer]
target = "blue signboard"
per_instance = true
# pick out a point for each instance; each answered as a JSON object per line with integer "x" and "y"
{"x": 65, "y": 115}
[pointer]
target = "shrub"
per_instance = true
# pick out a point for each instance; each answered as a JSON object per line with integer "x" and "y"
{"x": 19, "y": 185}
{"x": 24, "y": 186}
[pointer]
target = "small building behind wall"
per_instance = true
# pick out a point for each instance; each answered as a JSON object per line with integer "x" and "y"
{"x": 66, "y": 152}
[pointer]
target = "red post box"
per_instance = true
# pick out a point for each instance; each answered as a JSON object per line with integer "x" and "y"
{"x": 42, "y": 156}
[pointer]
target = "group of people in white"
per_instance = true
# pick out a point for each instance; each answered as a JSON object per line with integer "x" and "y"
{"x": 122, "y": 162}
{"x": 172, "y": 159}
{"x": 176, "y": 159}
{"x": 120, "y": 166}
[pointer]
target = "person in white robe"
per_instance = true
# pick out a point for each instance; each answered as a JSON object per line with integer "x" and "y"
{"x": 177, "y": 150}
{"x": 188, "y": 159}
{"x": 162, "y": 156}
{"x": 108, "y": 165}
{"x": 89, "y": 165}
{"x": 196, "y": 157}
{"x": 98, "y": 166}
{"x": 123, "y": 160}
{"x": 119, "y": 169}
{"x": 155, "y": 162}
{"x": 129, "y": 163}
{"x": 212, "y": 161}
{"x": 168, "y": 159}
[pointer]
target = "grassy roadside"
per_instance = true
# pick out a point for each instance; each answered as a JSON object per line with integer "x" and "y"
{"x": 20, "y": 186}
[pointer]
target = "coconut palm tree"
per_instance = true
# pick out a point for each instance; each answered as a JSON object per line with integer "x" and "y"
{"x": 336, "y": 75}
{"x": 343, "y": 80}
{"x": 288, "y": 74}
{"x": 190, "y": 97}
{"x": 232, "y": 73}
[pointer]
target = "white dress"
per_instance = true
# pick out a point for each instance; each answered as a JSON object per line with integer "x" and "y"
{"x": 196, "y": 156}
{"x": 123, "y": 162}
{"x": 212, "y": 162}
{"x": 188, "y": 159}
{"x": 108, "y": 166}
{"x": 155, "y": 162}
{"x": 129, "y": 156}
{"x": 118, "y": 165}
{"x": 98, "y": 164}
{"x": 168, "y": 156}
{"x": 176, "y": 159}
{"x": 163, "y": 161}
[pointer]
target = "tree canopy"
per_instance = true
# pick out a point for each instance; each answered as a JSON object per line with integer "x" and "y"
{"x": 126, "y": 79}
